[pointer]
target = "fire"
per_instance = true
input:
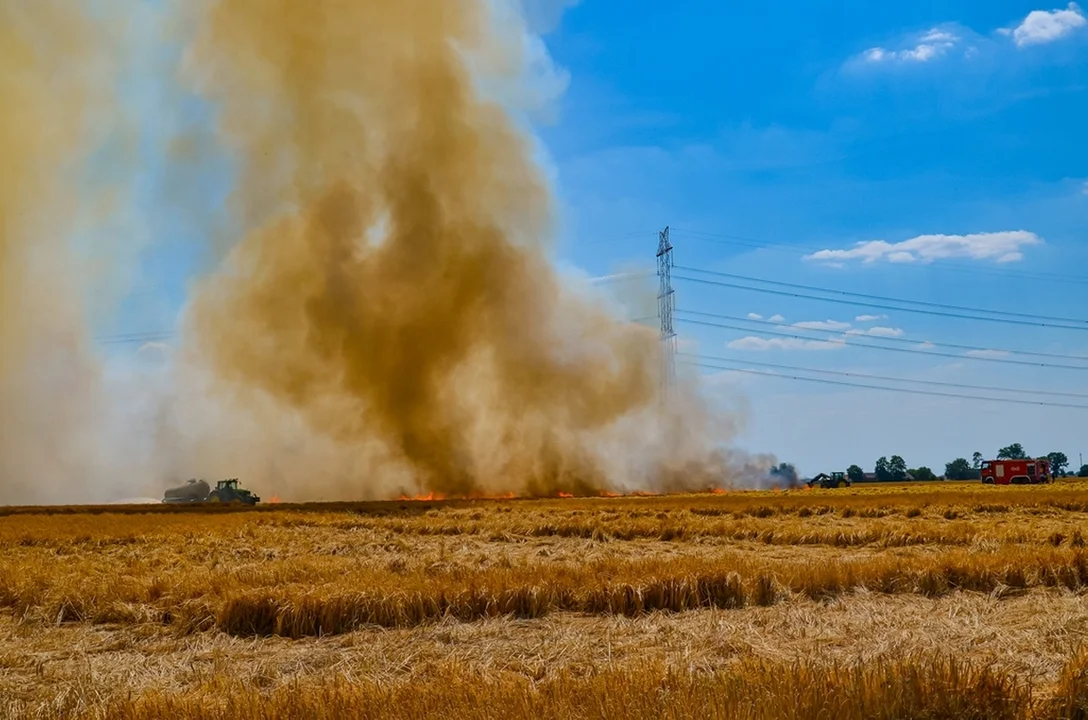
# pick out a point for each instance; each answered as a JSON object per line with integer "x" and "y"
{"x": 717, "y": 491}
{"x": 432, "y": 496}
{"x": 609, "y": 494}
{"x": 565, "y": 494}
{"x": 275, "y": 499}
{"x": 429, "y": 497}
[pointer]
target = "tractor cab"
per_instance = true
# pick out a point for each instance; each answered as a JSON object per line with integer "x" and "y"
{"x": 834, "y": 480}
{"x": 227, "y": 491}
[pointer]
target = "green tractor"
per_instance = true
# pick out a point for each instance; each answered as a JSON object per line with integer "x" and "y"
{"x": 834, "y": 480}
{"x": 227, "y": 491}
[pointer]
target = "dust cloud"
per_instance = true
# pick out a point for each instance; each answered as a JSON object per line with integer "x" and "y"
{"x": 383, "y": 316}
{"x": 52, "y": 70}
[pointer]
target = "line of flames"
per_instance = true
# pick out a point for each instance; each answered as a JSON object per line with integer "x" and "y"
{"x": 438, "y": 497}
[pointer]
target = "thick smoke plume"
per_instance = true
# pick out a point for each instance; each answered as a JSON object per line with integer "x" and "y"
{"x": 53, "y": 74}
{"x": 393, "y": 283}
{"x": 383, "y": 315}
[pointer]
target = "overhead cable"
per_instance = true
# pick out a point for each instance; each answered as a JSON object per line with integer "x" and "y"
{"x": 843, "y": 383}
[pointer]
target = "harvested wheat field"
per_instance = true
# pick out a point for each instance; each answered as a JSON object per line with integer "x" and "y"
{"x": 934, "y": 601}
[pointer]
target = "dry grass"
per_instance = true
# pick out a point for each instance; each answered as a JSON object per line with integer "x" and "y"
{"x": 909, "y": 687}
{"x": 162, "y": 582}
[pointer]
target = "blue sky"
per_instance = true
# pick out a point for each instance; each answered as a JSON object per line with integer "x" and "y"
{"x": 956, "y": 126}
{"x": 761, "y": 135}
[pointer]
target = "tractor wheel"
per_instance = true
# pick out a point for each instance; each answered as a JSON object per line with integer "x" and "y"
{"x": 842, "y": 484}
{"x": 214, "y": 497}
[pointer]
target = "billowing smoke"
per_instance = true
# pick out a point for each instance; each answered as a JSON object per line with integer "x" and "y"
{"x": 54, "y": 77}
{"x": 383, "y": 315}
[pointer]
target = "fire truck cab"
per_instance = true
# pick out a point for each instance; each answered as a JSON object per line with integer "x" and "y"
{"x": 1016, "y": 472}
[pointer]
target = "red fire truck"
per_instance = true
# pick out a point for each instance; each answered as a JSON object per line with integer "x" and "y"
{"x": 1016, "y": 472}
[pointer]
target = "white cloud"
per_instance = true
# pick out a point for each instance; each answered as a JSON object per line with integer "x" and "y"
{"x": 1084, "y": 188}
{"x": 870, "y": 318}
{"x": 876, "y": 332}
{"x": 1045, "y": 26}
{"x": 764, "y": 344}
{"x": 755, "y": 316}
{"x": 987, "y": 353}
{"x": 779, "y": 318}
{"x": 834, "y": 325}
{"x": 1002, "y": 247}
{"x": 885, "y": 332}
{"x": 928, "y": 46}
{"x": 927, "y": 345}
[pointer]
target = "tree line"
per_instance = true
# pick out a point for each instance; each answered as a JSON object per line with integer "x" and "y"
{"x": 894, "y": 469}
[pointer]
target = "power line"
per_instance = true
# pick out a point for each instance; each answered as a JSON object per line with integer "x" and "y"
{"x": 847, "y": 293}
{"x": 133, "y": 338}
{"x": 864, "y": 376}
{"x": 666, "y": 304}
{"x": 842, "y": 383}
{"x": 844, "y": 342}
{"x": 797, "y": 249}
{"x": 974, "y": 348}
{"x": 860, "y": 303}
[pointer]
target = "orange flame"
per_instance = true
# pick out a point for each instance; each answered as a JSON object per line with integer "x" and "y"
{"x": 275, "y": 499}
{"x": 717, "y": 491}
{"x": 431, "y": 496}
{"x": 565, "y": 494}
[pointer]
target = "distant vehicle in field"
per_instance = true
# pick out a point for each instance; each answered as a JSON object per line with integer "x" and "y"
{"x": 192, "y": 491}
{"x": 834, "y": 480}
{"x": 1016, "y": 472}
{"x": 226, "y": 491}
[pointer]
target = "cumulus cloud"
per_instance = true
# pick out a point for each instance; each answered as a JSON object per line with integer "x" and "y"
{"x": 878, "y": 331}
{"x": 927, "y": 345}
{"x": 764, "y": 344}
{"x": 755, "y": 316}
{"x": 1002, "y": 247}
{"x": 987, "y": 353}
{"x": 779, "y": 318}
{"x": 869, "y": 318}
{"x": 928, "y": 46}
{"x": 888, "y": 332}
{"x": 1046, "y": 26}
{"x": 834, "y": 325}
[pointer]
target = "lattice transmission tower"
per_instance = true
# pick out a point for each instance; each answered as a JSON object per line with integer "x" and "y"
{"x": 666, "y": 304}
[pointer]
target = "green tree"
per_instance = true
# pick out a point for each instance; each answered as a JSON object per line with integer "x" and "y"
{"x": 1058, "y": 462}
{"x": 923, "y": 474}
{"x": 959, "y": 469}
{"x": 976, "y": 460}
{"x": 1012, "y": 452}
{"x": 1083, "y": 471}
{"x": 897, "y": 466}
{"x": 855, "y": 473}
{"x": 882, "y": 470}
